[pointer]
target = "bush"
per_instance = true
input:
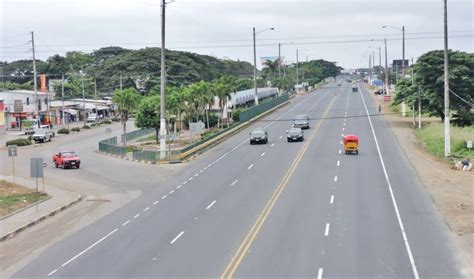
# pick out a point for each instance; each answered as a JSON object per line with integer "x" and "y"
{"x": 63, "y": 131}
{"x": 115, "y": 119}
{"x": 94, "y": 125}
{"x": 86, "y": 127}
{"x": 106, "y": 122}
{"x": 236, "y": 113}
{"x": 76, "y": 129}
{"x": 19, "y": 142}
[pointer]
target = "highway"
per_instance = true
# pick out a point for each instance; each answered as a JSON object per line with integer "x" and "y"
{"x": 302, "y": 209}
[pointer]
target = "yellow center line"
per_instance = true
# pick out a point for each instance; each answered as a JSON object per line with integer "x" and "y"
{"x": 250, "y": 237}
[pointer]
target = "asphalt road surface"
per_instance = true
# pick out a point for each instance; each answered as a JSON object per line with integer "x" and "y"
{"x": 302, "y": 209}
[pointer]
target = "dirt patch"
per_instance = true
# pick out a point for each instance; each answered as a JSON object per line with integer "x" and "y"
{"x": 14, "y": 197}
{"x": 451, "y": 190}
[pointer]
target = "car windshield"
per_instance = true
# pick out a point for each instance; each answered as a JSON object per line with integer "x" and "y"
{"x": 301, "y": 117}
{"x": 258, "y": 133}
{"x": 68, "y": 154}
{"x": 294, "y": 131}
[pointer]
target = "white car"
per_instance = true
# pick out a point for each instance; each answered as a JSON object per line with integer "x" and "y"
{"x": 92, "y": 118}
{"x": 42, "y": 135}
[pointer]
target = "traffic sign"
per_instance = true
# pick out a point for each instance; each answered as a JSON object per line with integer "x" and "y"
{"x": 36, "y": 167}
{"x": 469, "y": 144}
{"x": 12, "y": 151}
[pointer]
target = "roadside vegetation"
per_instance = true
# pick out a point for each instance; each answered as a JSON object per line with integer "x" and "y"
{"x": 14, "y": 197}
{"x": 19, "y": 142}
{"x": 431, "y": 137}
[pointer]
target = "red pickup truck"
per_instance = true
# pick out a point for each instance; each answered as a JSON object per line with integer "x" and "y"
{"x": 66, "y": 159}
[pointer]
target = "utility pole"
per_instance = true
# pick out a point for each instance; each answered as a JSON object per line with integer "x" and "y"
{"x": 62, "y": 99}
{"x": 419, "y": 109}
{"x": 95, "y": 89}
{"x": 412, "y": 84}
{"x": 83, "y": 97}
{"x": 380, "y": 57}
{"x": 121, "y": 83}
{"x": 447, "y": 136}
{"x": 386, "y": 66}
{"x": 403, "y": 51}
{"x": 279, "y": 60}
{"x": 255, "y": 93}
{"x": 162, "y": 85}
{"x": 297, "y": 70}
{"x": 35, "y": 77}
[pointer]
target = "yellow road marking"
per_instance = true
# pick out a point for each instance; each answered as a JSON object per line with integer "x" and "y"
{"x": 250, "y": 237}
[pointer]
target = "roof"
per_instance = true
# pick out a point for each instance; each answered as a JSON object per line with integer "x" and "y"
{"x": 244, "y": 96}
{"x": 351, "y": 137}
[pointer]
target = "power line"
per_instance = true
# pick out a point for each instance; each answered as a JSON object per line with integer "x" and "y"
{"x": 460, "y": 98}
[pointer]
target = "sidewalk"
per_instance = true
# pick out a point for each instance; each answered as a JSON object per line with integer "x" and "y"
{"x": 60, "y": 200}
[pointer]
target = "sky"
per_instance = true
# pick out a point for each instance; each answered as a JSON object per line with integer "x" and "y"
{"x": 346, "y": 32}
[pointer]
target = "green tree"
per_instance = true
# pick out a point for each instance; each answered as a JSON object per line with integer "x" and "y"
{"x": 126, "y": 101}
{"x": 429, "y": 75}
{"x": 148, "y": 114}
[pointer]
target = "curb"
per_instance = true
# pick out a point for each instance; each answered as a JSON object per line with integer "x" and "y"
{"x": 38, "y": 220}
{"x": 25, "y": 208}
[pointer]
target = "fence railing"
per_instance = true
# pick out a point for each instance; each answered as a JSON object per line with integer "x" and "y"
{"x": 110, "y": 146}
{"x": 250, "y": 113}
{"x": 137, "y": 134}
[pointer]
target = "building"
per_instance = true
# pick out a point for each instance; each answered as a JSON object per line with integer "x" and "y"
{"x": 19, "y": 105}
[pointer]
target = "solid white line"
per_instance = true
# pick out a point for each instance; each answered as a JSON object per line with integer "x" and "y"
{"x": 179, "y": 186}
{"x": 326, "y": 231}
{"x": 88, "y": 248}
{"x": 156, "y": 202}
{"x": 281, "y": 137}
{"x": 233, "y": 183}
{"x": 399, "y": 218}
{"x": 171, "y": 192}
{"x": 176, "y": 238}
{"x": 272, "y": 145}
{"x": 210, "y": 205}
{"x": 263, "y": 154}
{"x": 52, "y": 272}
{"x": 146, "y": 209}
{"x": 136, "y": 216}
{"x": 332, "y": 199}
{"x": 340, "y": 151}
{"x": 251, "y": 166}
{"x": 335, "y": 178}
{"x": 164, "y": 197}
{"x": 125, "y": 223}
{"x": 320, "y": 273}
{"x": 338, "y": 163}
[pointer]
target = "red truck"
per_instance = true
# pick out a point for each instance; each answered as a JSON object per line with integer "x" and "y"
{"x": 66, "y": 159}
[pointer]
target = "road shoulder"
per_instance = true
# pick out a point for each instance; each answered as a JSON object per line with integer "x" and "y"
{"x": 450, "y": 190}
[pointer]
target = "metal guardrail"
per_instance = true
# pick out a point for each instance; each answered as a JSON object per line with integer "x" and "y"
{"x": 110, "y": 146}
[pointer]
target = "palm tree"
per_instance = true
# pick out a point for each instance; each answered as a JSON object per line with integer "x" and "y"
{"x": 126, "y": 101}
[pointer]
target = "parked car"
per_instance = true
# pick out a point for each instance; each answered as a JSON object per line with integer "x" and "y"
{"x": 379, "y": 92}
{"x": 66, "y": 159}
{"x": 301, "y": 121}
{"x": 29, "y": 126}
{"x": 47, "y": 127}
{"x": 92, "y": 118}
{"x": 42, "y": 135}
{"x": 294, "y": 134}
{"x": 259, "y": 135}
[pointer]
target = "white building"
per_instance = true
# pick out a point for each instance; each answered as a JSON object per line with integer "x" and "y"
{"x": 20, "y": 105}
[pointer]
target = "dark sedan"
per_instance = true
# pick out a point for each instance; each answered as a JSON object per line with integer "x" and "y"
{"x": 258, "y": 135}
{"x": 294, "y": 134}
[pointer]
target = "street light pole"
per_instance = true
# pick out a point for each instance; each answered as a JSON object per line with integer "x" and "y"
{"x": 162, "y": 85}
{"x": 403, "y": 51}
{"x": 447, "y": 136}
{"x": 255, "y": 62}
{"x": 297, "y": 70}
{"x": 255, "y": 93}
{"x": 279, "y": 60}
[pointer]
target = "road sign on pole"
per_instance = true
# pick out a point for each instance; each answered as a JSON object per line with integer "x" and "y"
{"x": 12, "y": 152}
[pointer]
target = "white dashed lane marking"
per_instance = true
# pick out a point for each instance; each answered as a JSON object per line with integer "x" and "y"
{"x": 233, "y": 183}
{"x": 164, "y": 197}
{"x": 156, "y": 202}
{"x": 331, "y": 201}
{"x": 263, "y": 154}
{"x": 177, "y": 237}
{"x": 210, "y": 205}
{"x": 335, "y": 178}
{"x": 52, "y": 272}
{"x": 326, "y": 231}
{"x": 251, "y": 166}
{"x": 320, "y": 273}
{"x": 340, "y": 151}
{"x": 146, "y": 209}
{"x": 125, "y": 223}
{"x": 338, "y": 163}
{"x": 179, "y": 186}
{"x": 171, "y": 192}
{"x": 136, "y": 216}
{"x": 272, "y": 145}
